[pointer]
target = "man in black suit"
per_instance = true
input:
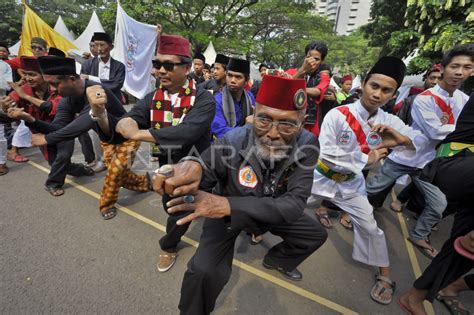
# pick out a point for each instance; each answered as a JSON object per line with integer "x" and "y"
{"x": 103, "y": 68}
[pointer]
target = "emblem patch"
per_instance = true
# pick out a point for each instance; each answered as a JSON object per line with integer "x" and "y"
{"x": 299, "y": 99}
{"x": 247, "y": 177}
{"x": 344, "y": 137}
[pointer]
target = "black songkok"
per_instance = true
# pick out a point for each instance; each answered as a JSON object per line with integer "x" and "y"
{"x": 56, "y": 52}
{"x": 222, "y": 59}
{"x": 200, "y": 57}
{"x": 54, "y": 65}
{"x": 390, "y": 66}
{"x": 103, "y": 37}
{"x": 238, "y": 65}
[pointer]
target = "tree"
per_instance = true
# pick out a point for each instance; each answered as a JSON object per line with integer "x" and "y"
{"x": 10, "y": 21}
{"x": 429, "y": 27}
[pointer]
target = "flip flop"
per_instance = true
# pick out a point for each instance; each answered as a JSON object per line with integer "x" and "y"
{"x": 452, "y": 304}
{"x": 461, "y": 250}
{"x": 403, "y": 306}
{"x": 18, "y": 158}
{"x": 378, "y": 287}
{"x": 4, "y": 170}
{"x": 323, "y": 218}
{"x": 423, "y": 249}
{"x": 348, "y": 224}
{"x": 55, "y": 191}
{"x": 109, "y": 213}
{"x": 396, "y": 207}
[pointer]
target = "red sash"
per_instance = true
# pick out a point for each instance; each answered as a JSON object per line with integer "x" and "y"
{"x": 445, "y": 108}
{"x": 356, "y": 128}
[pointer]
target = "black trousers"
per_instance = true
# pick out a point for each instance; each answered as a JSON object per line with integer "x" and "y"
{"x": 174, "y": 232}
{"x": 59, "y": 158}
{"x": 455, "y": 177}
{"x": 87, "y": 147}
{"x": 210, "y": 267}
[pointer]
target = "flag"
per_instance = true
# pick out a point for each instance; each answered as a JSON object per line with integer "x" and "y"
{"x": 135, "y": 44}
{"x": 34, "y": 26}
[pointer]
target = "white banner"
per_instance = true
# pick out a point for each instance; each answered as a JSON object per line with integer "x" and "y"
{"x": 135, "y": 44}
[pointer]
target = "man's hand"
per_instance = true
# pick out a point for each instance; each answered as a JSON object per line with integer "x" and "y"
{"x": 205, "y": 205}
{"x": 84, "y": 76}
{"x": 97, "y": 99}
{"x": 38, "y": 139}
{"x": 6, "y": 102}
{"x": 159, "y": 29}
{"x": 19, "y": 114}
{"x": 185, "y": 181}
{"x": 391, "y": 137}
{"x": 86, "y": 55}
{"x": 127, "y": 127}
{"x": 17, "y": 88}
{"x": 376, "y": 155}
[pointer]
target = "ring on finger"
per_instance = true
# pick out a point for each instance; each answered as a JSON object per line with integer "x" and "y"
{"x": 188, "y": 199}
{"x": 98, "y": 94}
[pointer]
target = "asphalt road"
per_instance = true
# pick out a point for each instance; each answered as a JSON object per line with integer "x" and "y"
{"x": 57, "y": 255}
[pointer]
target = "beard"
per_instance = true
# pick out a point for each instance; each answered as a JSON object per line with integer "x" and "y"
{"x": 279, "y": 150}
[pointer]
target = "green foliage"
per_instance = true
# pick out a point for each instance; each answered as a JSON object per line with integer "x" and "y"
{"x": 10, "y": 21}
{"x": 429, "y": 26}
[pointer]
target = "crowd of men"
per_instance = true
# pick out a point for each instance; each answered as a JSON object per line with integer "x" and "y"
{"x": 246, "y": 155}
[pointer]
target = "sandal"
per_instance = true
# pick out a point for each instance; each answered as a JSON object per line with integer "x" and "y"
{"x": 323, "y": 218}
{"x": 429, "y": 252}
{"x": 109, "y": 213}
{"x": 347, "y": 224}
{"x": 461, "y": 250}
{"x": 55, "y": 191}
{"x": 378, "y": 287}
{"x": 18, "y": 158}
{"x": 396, "y": 206}
{"x": 452, "y": 304}
{"x": 3, "y": 169}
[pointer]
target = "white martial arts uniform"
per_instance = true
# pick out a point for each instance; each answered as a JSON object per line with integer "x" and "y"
{"x": 342, "y": 152}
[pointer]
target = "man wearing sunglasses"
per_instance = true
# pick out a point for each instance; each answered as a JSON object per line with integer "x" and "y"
{"x": 38, "y": 47}
{"x": 264, "y": 172}
{"x": 175, "y": 118}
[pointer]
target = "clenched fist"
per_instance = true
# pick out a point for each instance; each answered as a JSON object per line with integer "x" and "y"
{"x": 97, "y": 99}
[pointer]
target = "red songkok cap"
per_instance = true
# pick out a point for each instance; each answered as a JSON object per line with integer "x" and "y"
{"x": 345, "y": 78}
{"x": 174, "y": 45}
{"x": 435, "y": 67}
{"x": 282, "y": 93}
{"x": 30, "y": 64}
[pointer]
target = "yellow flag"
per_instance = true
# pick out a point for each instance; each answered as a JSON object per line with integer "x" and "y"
{"x": 34, "y": 26}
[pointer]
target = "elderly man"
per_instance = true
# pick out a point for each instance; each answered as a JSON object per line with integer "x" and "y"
{"x": 175, "y": 118}
{"x": 264, "y": 172}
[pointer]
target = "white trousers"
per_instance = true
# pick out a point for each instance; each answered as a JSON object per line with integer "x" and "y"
{"x": 370, "y": 246}
{"x": 3, "y": 145}
{"x": 22, "y": 136}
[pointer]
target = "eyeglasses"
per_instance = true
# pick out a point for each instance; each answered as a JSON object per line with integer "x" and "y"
{"x": 34, "y": 47}
{"x": 168, "y": 65}
{"x": 283, "y": 127}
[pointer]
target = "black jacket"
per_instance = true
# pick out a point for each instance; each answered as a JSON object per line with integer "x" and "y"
{"x": 72, "y": 116}
{"x": 175, "y": 142}
{"x": 116, "y": 77}
{"x": 279, "y": 194}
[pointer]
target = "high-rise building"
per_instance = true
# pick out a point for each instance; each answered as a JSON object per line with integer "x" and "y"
{"x": 347, "y": 15}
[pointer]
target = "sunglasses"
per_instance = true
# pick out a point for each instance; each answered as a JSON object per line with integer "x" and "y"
{"x": 34, "y": 47}
{"x": 168, "y": 65}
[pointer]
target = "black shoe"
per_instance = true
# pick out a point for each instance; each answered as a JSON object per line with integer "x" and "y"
{"x": 88, "y": 171}
{"x": 294, "y": 275}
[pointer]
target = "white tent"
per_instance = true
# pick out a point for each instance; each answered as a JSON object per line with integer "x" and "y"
{"x": 210, "y": 54}
{"x": 82, "y": 42}
{"x": 62, "y": 29}
{"x": 59, "y": 27}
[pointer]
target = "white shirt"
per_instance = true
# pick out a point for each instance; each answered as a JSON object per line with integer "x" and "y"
{"x": 5, "y": 76}
{"x": 341, "y": 151}
{"x": 427, "y": 116}
{"x": 104, "y": 71}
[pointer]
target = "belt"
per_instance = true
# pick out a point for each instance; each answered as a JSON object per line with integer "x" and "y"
{"x": 323, "y": 169}
{"x": 453, "y": 148}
